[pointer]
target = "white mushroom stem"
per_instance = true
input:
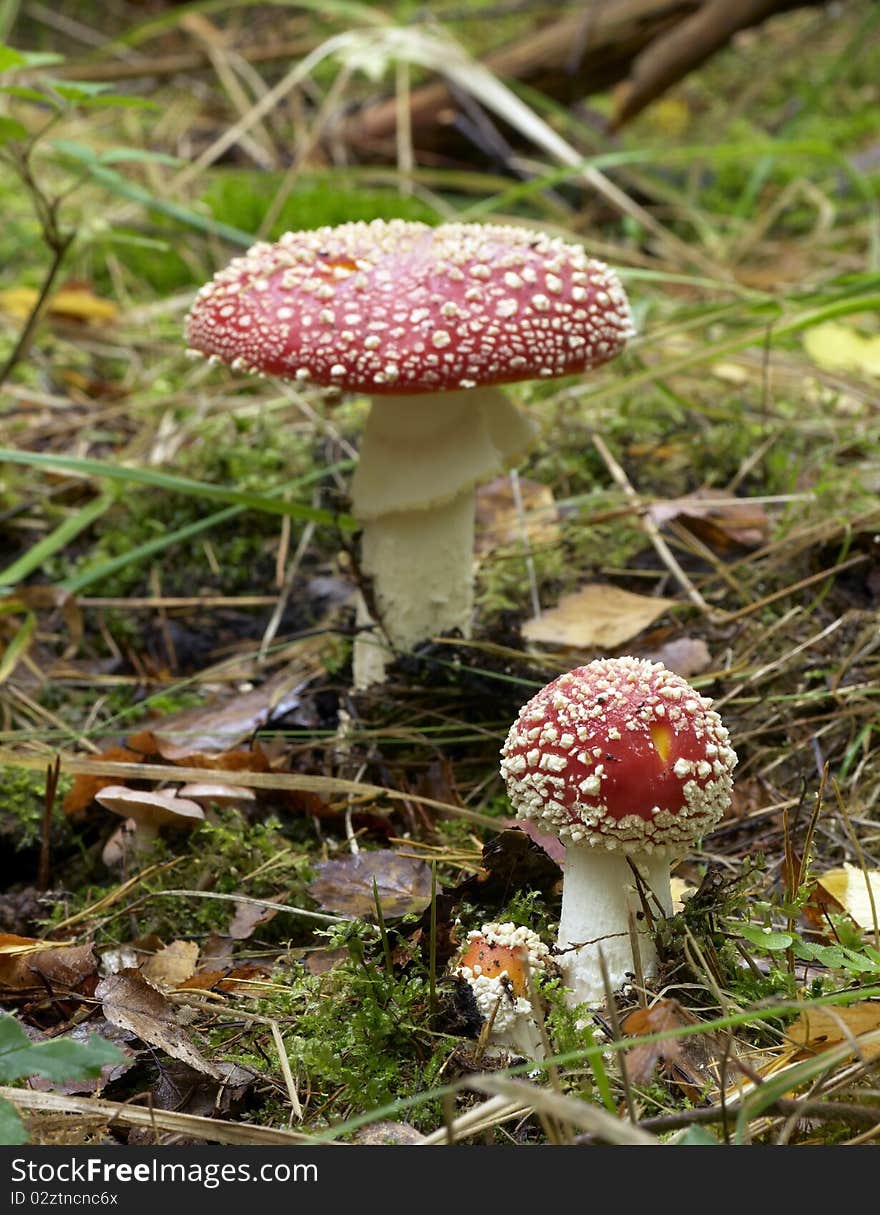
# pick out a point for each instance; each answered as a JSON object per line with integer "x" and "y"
{"x": 418, "y": 597}
{"x": 597, "y": 893}
{"x": 421, "y": 458}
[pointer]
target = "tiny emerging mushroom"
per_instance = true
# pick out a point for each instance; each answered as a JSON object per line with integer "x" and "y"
{"x": 146, "y": 813}
{"x": 629, "y": 765}
{"x": 426, "y": 321}
{"x": 496, "y": 964}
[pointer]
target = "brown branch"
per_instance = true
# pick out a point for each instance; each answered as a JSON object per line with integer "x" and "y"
{"x": 177, "y": 62}
{"x": 671, "y": 56}
{"x": 579, "y": 55}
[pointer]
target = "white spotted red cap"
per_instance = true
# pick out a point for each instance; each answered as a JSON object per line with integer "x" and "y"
{"x": 399, "y": 307}
{"x": 621, "y": 753}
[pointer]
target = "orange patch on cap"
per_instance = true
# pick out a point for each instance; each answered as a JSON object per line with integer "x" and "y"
{"x": 483, "y": 958}
{"x": 661, "y": 737}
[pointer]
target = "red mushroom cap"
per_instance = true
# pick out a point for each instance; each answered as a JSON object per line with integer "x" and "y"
{"x": 621, "y": 753}
{"x": 399, "y": 307}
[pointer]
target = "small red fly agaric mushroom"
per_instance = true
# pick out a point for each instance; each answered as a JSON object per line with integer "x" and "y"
{"x": 626, "y": 763}
{"x": 496, "y": 964}
{"x": 426, "y": 321}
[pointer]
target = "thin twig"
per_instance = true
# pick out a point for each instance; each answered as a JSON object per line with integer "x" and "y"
{"x": 650, "y": 527}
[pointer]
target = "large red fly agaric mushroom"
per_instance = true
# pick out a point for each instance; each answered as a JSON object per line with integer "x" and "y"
{"x": 626, "y": 763}
{"x": 426, "y": 321}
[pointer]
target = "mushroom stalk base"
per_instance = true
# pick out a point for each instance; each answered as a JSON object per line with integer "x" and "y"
{"x": 522, "y": 1038}
{"x": 421, "y": 567}
{"x": 597, "y": 893}
{"x": 421, "y": 458}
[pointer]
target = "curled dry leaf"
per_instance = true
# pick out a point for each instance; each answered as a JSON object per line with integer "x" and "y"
{"x": 719, "y": 520}
{"x": 819, "y": 1029}
{"x": 172, "y": 965}
{"x": 209, "y": 732}
{"x": 688, "y": 1062}
{"x": 30, "y": 965}
{"x": 345, "y": 886}
{"x": 134, "y": 1004}
{"x": 247, "y": 919}
{"x": 686, "y": 656}
{"x": 599, "y": 616}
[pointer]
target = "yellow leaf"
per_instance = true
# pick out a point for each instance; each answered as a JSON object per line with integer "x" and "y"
{"x": 836, "y": 347}
{"x": 18, "y": 301}
{"x": 597, "y": 616}
{"x": 849, "y": 887}
{"x": 80, "y": 304}
{"x": 10, "y": 944}
{"x": 819, "y": 1029}
{"x": 72, "y": 303}
{"x": 172, "y": 965}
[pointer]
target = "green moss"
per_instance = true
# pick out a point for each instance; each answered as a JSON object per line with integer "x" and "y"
{"x": 243, "y": 198}
{"x": 22, "y": 805}
{"x": 220, "y": 857}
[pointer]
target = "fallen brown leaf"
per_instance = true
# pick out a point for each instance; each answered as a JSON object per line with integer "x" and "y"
{"x": 29, "y": 965}
{"x": 241, "y": 980}
{"x": 818, "y": 1029}
{"x": 247, "y": 918}
{"x": 719, "y": 520}
{"x": 134, "y": 1004}
{"x": 403, "y": 884}
{"x": 172, "y": 965}
{"x": 687, "y": 1062}
{"x": 211, "y": 732}
{"x": 81, "y": 793}
{"x": 685, "y": 655}
{"x": 599, "y": 616}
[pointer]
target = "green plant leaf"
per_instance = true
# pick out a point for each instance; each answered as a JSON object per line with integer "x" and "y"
{"x": 115, "y": 156}
{"x": 772, "y": 941}
{"x": 12, "y": 1129}
{"x": 26, "y": 92}
{"x": 58, "y": 1059}
{"x": 184, "y": 485}
{"x": 697, "y": 1136}
{"x": 10, "y": 58}
{"x": 11, "y": 128}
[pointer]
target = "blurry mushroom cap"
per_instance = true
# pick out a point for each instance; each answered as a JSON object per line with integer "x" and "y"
{"x": 207, "y": 793}
{"x": 151, "y": 811}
